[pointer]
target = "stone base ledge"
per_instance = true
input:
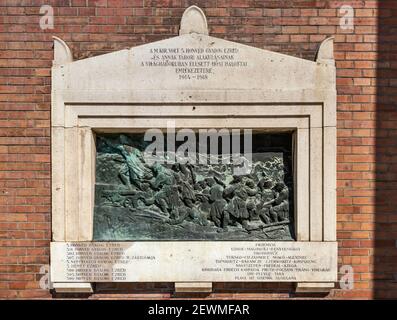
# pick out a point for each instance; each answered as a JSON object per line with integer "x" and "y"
{"x": 72, "y": 287}
{"x": 193, "y": 287}
{"x": 314, "y": 287}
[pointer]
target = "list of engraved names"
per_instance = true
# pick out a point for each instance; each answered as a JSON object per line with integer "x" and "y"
{"x": 190, "y": 261}
{"x": 266, "y": 261}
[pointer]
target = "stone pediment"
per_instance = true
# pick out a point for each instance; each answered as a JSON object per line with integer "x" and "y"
{"x": 195, "y": 61}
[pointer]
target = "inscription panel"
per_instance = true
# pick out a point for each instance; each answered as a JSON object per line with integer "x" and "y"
{"x": 170, "y": 261}
{"x": 193, "y": 63}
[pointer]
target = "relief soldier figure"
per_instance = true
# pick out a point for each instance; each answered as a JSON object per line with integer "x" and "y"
{"x": 279, "y": 211}
{"x": 218, "y": 204}
{"x": 239, "y": 193}
{"x": 266, "y": 196}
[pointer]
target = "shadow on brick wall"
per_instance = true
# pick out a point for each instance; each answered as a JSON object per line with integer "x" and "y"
{"x": 385, "y": 253}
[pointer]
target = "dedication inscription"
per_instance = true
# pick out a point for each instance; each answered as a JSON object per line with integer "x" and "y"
{"x": 191, "y": 63}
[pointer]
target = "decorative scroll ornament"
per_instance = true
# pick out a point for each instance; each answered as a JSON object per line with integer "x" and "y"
{"x": 325, "y": 52}
{"x": 62, "y": 53}
{"x": 193, "y": 21}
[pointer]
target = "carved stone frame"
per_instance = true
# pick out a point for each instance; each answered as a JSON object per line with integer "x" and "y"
{"x": 79, "y": 112}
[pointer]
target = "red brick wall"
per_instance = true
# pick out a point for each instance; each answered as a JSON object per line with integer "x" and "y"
{"x": 366, "y": 60}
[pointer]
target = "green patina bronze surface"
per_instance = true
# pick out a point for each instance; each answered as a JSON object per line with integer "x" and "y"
{"x": 138, "y": 201}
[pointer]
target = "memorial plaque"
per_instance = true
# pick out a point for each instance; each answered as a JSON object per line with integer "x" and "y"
{"x": 118, "y": 217}
{"x": 180, "y": 261}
